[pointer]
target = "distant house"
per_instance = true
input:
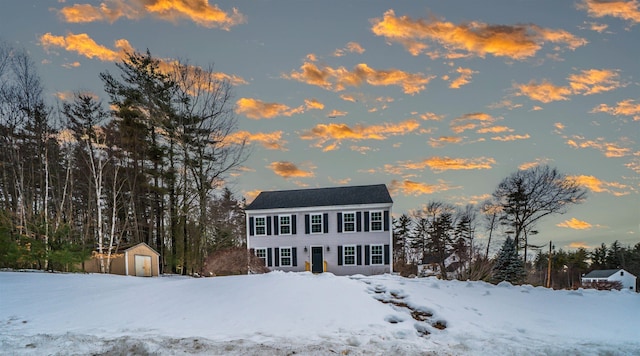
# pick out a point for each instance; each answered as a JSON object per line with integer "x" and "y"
{"x": 342, "y": 230}
{"x": 430, "y": 265}
{"x": 138, "y": 260}
{"x": 627, "y": 279}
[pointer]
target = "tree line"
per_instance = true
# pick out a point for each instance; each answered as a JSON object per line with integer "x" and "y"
{"x": 78, "y": 179}
{"x": 444, "y": 236}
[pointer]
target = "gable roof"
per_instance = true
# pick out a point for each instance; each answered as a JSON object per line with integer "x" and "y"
{"x": 350, "y": 195}
{"x": 601, "y": 273}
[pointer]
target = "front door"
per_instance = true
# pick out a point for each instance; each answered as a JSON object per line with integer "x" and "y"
{"x": 317, "y": 265}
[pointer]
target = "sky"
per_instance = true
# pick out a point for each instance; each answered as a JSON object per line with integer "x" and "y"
{"x": 282, "y": 313}
{"x": 439, "y": 100}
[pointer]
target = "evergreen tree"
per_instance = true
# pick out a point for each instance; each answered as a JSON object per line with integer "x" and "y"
{"x": 508, "y": 266}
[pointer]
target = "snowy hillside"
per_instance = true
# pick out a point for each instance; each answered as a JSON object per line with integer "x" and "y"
{"x": 285, "y": 313}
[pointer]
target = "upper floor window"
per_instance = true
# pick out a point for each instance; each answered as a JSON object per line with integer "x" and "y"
{"x": 316, "y": 223}
{"x": 376, "y": 221}
{"x": 376, "y": 255}
{"x": 349, "y": 222}
{"x": 285, "y": 224}
{"x": 260, "y": 225}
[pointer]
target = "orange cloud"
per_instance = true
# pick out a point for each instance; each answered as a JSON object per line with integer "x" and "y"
{"x": 575, "y": 224}
{"x": 257, "y": 109}
{"x": 463, "y": 79}
{"x": 268, "y": 140}
{"x": 313, "y": 104}
{"x": 442, "y": 140}
{"x": 599, "y": 186}
{"x": 594, "y": 81}
{"x": 609, "y": 149}
{"x": 198, "y": 11}
{"x": 335, "y": 132}
{"x": 471, "y": 121}
{"x": 429, "y": 116}
{"x": 474, "y": 38}
{"x": 625, "y": 10}
{"x": 352, "y": 47}
{"x": 339, "y": 78}
{"x": 545, "y": 92}
{"x": 408, "y": 187}
{"x": 495, "y": 129}
{"x": 289, "y": 170}
{"x": 511, "y": 137}
{"x": 336, "y": 113}
{"x": 440, "y": 164}
{"x": 86, "y": 46}
{"x": 536, "y": 163}
{"x": 579, "y": 244}
{"x": 626, "y": 107}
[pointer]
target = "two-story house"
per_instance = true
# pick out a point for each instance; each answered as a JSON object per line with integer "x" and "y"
{"x": 342, "y": 230}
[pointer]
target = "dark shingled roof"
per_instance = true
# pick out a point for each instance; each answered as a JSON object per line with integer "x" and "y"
{"x": 364, "y": 194}
{"x": 601, "y": 273}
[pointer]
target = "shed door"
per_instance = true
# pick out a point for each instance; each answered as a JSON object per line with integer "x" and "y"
{"x": 143, "y": 266}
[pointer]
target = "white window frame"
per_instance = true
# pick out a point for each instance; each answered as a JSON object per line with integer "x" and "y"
{"x": 263, "y": 250}
{"x": 372, "y": 255}
{"x": 290, "y": 257}
{"x": 280, "y": 224}
{"x": 255, "y": 225}
{"x": 354, "y": 255}
{"x": 371, "y": 221}
{"x": 344, "y": 221}
{"x": 311, "y": 223}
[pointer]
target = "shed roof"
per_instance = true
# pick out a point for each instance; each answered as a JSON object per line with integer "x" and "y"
{"x": 601, "y": 273}
{"x": 349, "y": 195}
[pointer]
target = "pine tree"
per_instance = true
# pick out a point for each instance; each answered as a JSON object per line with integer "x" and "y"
{"x": 508, "y": 266}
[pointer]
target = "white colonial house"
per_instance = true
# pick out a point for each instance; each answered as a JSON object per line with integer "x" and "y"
{"x": 627, "y": 279}
{"x": 342, "y": 230}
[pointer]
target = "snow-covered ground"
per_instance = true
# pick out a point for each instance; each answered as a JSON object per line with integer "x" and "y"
{"x": 286, "y": 313}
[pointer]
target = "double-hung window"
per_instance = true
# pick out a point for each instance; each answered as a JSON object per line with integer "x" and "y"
{"x": 260, "y": 225}
{"x": 262, "y": 254}
{"x": 285, "y": 224}
{"x": 285, "y": 256}
{"x": 316, "y": 223}
{"x": 349, "y": 222}
{"x": 376, "y": 255}
{"x": 376, "y": 221}
{"x": 349, "y": 253}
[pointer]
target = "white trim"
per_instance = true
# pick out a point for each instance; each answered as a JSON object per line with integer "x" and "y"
{"x": 381, "y": 220}
{"x": 328, "y": 208}
{"x": 311, "y": 223}
{"x": 381, "y": 255}
{"x": 126, "y": 263}
{"x": 355, "y": 222}
{"x": 255, "y": 225}
{"x": 290, "y": 256}
{"x": 280, "y": 224}
{"x": 355, "y": 255}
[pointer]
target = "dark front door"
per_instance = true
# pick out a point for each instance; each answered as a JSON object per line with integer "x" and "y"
{"x": 316, "y": 259}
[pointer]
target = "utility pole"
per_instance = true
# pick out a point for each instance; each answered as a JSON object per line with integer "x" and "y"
{"x": 549, "y": 266}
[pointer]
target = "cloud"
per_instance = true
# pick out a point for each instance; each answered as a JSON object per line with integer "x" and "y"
{"x": 471, "y": 121}
{"x": 575, "y": 224}
{"x": 338, "y": 132}
{"x": 587, "y": 82}
{"x": 599, "y": 186}
{"x": 198, "y": 11}
{"x": 408, "y": 187}
{"x": 494, "y": 129}
{"x": 337, "y": 79}
{"x": 336, "y": 113}
{"x": 268, "y": 140}
{"x": 86, "y": 46}
{"x": 313, "y": 104}
{"x": 351, "y": 47}
{"x": 470, "y": 39}
{"x": 625, "y": 10}
{"x": 339, "y": 181}
{"x": 536, "y": 163}
{"x": 440, "y": 164}
{"x": 579, "y": 244}
{"x": 429, "y": 116}
{"x": 511, "y": 137}
{"x": 442, "y": 140}
{"x": 289, "y": 170}
{"x": 258, "y": 109}
{"x": 609, "y": 149}
{"x": 626, "y": 107}
{"x": 463, "y": 79}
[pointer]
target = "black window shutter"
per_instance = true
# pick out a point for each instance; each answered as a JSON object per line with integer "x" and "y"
{"x": 294, "y": 256}
{"x": 275, "y": 225}
{"x": 325, "y": 220}
{"x": 339, "y": 222}
{"x": 306, "y": 223}
{"x": 251, "y": 226}
{"x": 359, "y": 254}
{"x": 366, "y": 221}
{"x": 339, "y": 255}
{"x": 293, "y": 224}
{"x": 386, "y": 254}
{"x": 386, "y": 220}
{"x": 269, "y": 257}
{"x": 366, "y": 255}
{"x": 358, "y": 221}
{"x": 276, "y": 254}
{"x": 268, "y": 225}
